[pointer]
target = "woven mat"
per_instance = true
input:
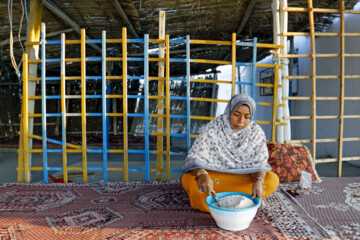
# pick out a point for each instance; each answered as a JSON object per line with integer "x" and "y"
{"x": 335, "y": 204}
{"x": 157, "y": 210}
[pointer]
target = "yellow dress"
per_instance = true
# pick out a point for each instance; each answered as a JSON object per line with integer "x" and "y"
{"x": 225, "y": 182}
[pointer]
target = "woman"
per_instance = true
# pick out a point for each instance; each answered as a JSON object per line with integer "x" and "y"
{"x": 229, "y": 155}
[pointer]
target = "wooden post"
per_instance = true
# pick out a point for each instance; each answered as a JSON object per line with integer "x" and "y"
{"x": 125, "y": 103}
{"x": 83, "y": 105}
{"x": 167, "y": 84}
{"x": 285, "y": 71}
{"x": 233, "y": 63}
{"x": 34, "y": 30}
{"x": 276, "y": 83}
{"x": 161, "y": 70}
{"x": 277, "y": 40}
{"x": 313, "y": 76}
{"x": 342, "y": 86}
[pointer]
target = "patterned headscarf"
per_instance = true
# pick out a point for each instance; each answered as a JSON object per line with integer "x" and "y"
{"x": 221, "y": 148}
{"x": 240, "y": 99}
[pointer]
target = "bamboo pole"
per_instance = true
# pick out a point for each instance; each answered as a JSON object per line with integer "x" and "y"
{"x": 63, "y": 107}
{"x": 43, "y": 103}
{"x": 277, "y": 40}
{"x": 319, "y": 10}
{"x": 125, "y": 110}
{"x": 104, "y": 106}
{"x": 323, "y": 77}
{"x": 34, "y": 21}
{"x": 313, "y": 76}
{"x": 342, "y": 86}
{"x": 167, "y": 67}
{"x": 322, "y": 34}
{"x": 160, "y": 105}
{"x": 276, "y": 80}
{"x": 25, "y": 119}
{"x": 83, "y": 105}
{"x": 233, "y": 63}
{"x": 285, "y": 72}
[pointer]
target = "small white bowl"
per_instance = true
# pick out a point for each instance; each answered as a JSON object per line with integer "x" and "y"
{"x": 232, "y": 219}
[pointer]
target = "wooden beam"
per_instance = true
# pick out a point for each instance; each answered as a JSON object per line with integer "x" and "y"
{"x": 125, "y": 18}
{"x": 243, "y": 22}
{"x": 246, "y": 17}
{"x": 54, "y": 9}
{"x": 52, "y": 34}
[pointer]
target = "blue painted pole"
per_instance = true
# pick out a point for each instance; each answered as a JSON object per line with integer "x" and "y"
{"x": 43, "y": 100}
{"x": 108, "y": 91}
{"x": 63, "y": 106}
{"x": 146, "y": 105}
{"x": 104, "y": 105}
{"x": 188, "y": 125}
{"x": 253, "y": 80}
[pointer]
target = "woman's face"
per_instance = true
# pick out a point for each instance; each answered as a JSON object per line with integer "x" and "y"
{"x": 241, "y": 117}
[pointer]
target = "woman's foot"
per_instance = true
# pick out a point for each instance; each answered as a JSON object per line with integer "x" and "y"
{"x": 263, "y": 205}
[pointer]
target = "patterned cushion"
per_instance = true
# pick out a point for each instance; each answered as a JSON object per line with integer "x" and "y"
{"x": 287, "y": 161}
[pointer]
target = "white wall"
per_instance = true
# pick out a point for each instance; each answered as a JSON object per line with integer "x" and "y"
{"x": 330, "y": 88}
{"x": 301, "y": 129}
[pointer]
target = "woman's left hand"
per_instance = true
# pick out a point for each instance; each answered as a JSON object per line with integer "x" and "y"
{"x": 257, "y": 189}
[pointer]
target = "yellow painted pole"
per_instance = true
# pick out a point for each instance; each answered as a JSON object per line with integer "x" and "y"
{"x": 26, "y": 116}
{"x": 63, "y": 107}
{"x": 125, "y": 110}
{"x": 167, "y": 62}
{"x": 313, "y": 76}
{"x": 34, "y": 31}
{"x": 83, "y": 104}
{"x": 276, "y": 84}
{"x": 342, "y": 87}
{"x": 233, "y": 63}
{"x": 160, "y": 121}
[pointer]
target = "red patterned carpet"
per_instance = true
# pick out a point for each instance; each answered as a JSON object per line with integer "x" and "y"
{"x": 156, "y": 211}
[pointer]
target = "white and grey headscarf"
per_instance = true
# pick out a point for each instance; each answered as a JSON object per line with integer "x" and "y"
{"x": 221, "y": 148}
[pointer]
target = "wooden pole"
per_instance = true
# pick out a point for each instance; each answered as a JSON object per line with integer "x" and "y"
{"x": 25, "y": 119}
{"x": 342, "y": 87}
{"x": 313, "y": 76}
{"x": 277, "y": 41}
{"x": 276, "y": 80}
{"x": 167, "y": 65}
{"x": 125, "y": 103}
{"x": 83, "y": 105}
{"x": 64, "y": 110}
{"x": 161, "y": 71}
{"x": 285, "y": 71}
{"x": 233, "y": 63}
{"x": 33, "y": 35}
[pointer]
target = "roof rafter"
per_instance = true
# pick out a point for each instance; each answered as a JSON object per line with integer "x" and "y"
{"x": 54, "y": 9}
{"x": 125, "y": 18}
{"x": 243, "y": 22}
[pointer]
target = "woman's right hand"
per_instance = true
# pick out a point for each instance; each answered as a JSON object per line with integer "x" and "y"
{"x": 205, "y": 184}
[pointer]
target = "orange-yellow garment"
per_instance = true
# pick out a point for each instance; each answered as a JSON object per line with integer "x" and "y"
{"x": 225, "y": 182}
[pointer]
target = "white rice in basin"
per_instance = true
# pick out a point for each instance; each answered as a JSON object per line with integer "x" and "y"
{"x": 235, "y": 202}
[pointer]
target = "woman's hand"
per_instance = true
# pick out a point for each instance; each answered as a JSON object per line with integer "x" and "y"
{"x": 257, "y": 189}
{"x": 205, "y": 184}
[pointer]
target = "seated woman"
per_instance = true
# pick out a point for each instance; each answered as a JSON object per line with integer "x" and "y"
{"x": 229, "y": 155}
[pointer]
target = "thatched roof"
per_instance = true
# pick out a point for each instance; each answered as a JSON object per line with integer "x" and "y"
{"x": 201, "y": 19}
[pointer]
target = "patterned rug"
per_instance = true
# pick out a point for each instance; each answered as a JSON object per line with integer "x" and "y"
{"x": 335, "y": 204}
{"x": 161, "y": 210}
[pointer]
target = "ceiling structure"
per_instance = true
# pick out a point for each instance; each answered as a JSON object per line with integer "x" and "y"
{"x": 200, "y": 19}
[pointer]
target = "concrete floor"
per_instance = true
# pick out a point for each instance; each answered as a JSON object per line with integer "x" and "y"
{"x": 9, "y": 161}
